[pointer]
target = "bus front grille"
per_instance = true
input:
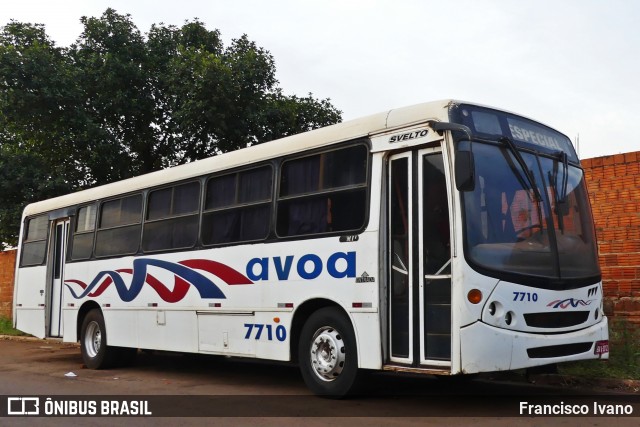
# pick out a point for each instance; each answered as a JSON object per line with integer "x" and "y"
{"x": 559, "y": 350}
{"x": 556, "y": 320}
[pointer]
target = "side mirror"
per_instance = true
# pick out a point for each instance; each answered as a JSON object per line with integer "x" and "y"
{"x": 465, "y": 171}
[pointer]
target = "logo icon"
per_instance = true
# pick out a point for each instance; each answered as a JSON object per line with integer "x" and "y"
{"x": 569, "y": 302}
{"x": 365, "y": 278}
{"x": 23, "y": 406}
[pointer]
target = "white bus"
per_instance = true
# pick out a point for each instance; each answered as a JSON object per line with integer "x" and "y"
{"x": 443, "y": 238}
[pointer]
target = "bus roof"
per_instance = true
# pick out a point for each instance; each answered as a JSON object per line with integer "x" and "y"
{"x": 352, "y": 129}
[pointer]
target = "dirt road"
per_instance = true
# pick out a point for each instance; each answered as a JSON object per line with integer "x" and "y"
{"x": 272, "y": 394}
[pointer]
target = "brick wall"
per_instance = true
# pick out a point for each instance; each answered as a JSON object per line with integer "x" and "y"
{"x": 7, "y": 270}
{"x": 614, "y": 190}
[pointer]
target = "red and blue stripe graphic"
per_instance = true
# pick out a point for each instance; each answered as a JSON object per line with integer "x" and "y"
{"x": 569, "y": 302}
{"x": 185, "y": 276}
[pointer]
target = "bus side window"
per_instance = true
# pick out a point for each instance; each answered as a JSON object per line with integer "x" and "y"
{"x": 119, "y": 226}
{"x": 238, "y": 207}
{"x": 172, "y": 218}
{"x": 35, "y": 241}
{"x": 85, "y": 223}
{"x": 301, "y": 215}
{"x": 323, "y": 193}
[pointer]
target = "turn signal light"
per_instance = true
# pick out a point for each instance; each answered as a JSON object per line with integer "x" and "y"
{"x": 474, "y": 296}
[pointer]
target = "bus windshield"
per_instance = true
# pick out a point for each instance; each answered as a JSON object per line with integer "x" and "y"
{"x": 537, "y": 233}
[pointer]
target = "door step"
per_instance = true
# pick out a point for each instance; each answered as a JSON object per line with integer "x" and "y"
{"x": 414, "y": 370}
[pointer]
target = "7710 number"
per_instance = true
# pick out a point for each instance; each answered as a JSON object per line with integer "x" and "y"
{"x": 525, "y": 296}
{"x": 259, "y": 328}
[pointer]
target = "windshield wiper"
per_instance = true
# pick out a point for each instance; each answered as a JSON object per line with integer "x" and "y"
{"x": 527, "y": 173}
{"x": 560, "y": 196}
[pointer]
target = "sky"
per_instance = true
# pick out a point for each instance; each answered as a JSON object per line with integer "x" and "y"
{"x": 571, "y": 64}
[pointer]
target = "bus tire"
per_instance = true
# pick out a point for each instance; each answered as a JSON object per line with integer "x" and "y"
{"x": 327, "y": 354}
{"x": 96, "y": 354}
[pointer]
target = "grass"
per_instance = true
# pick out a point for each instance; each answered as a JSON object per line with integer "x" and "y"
{"x": 624, "y": 357}
{"x": 7, "y": 329}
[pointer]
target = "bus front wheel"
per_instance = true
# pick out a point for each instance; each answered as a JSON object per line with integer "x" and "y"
{"x": 327, "y": 353}
{"x": 96, "y": 354}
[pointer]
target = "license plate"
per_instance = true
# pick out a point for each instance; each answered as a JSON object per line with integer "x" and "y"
{"x": 602, "y": 347}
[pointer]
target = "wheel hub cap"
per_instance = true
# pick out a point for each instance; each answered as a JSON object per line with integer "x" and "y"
{"x": 327, "y": 354}
{"x": 93, "y": 339}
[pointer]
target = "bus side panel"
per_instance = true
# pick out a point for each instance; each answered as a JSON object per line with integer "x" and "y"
{"x": 172, "y": 330}
{"x": 225, "y": 333}
{"x": 70, "y": 317}
{"x": 367, "y": 329}
{"x": 271, "y": 333}
{"x": 247, "y": 292}
{"x": 30, "y": 301}
{"x": 122, "y": 328}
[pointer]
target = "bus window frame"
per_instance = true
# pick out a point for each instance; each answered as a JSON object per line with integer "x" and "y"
{"x": 141, "y": 194}
{"x": 197, "y": 213}
{"x": 25, "y": 241}
{"x": 75, "y": 232}
{"x": 366, "y": 187}
{"x": 237, "y": 205}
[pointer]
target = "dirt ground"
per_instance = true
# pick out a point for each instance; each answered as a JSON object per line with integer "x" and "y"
{"x": 35, "y": 355}
{"x": 263, "y": 391}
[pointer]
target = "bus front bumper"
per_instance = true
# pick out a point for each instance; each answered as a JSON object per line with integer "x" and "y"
{"x": 485, "y": 348}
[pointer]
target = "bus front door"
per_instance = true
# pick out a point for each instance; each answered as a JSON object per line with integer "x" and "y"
{"x": 59, "y": 240}
{"x": 419, "y": 261}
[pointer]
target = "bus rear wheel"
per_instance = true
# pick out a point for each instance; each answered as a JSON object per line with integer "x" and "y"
{"x": 96, "y": 354}
{"x": 327, "y": 354}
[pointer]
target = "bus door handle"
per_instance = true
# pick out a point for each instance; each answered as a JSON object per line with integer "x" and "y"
{"x": 402, "y": 269}
{"x": 439, "y": 276}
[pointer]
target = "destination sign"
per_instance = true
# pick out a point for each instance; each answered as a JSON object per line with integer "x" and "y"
{"x": 494, "y": 124}
{"x": 537, "y": 135}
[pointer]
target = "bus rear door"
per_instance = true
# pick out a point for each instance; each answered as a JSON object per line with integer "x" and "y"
{"x": 40, "y": 277}
{"x": 54, "y": 304}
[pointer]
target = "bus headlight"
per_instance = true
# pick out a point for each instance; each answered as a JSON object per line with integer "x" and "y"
{"x": 474, "y": 296}
{"x": 508, "y": 318}
{"x": 492, "y": 309}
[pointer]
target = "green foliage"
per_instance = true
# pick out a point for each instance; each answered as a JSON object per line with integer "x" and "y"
{"x": 6, "y": 327}
{"x": 118, "y": 103}
{"x": 624, "y": 356}
{"x": 24, "y": 175}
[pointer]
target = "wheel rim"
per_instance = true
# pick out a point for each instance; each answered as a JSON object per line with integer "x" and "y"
{"x": 93, "y": 339}
{"x": 327, "y": 353}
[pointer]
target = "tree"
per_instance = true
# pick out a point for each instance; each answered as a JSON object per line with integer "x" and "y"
{"x": 36, "y": 118}
{"x": 24, "y": 176}
{"x": 118, "y": 103}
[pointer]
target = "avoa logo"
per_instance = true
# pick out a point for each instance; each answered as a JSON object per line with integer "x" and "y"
{"x": 308, "y": 267}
